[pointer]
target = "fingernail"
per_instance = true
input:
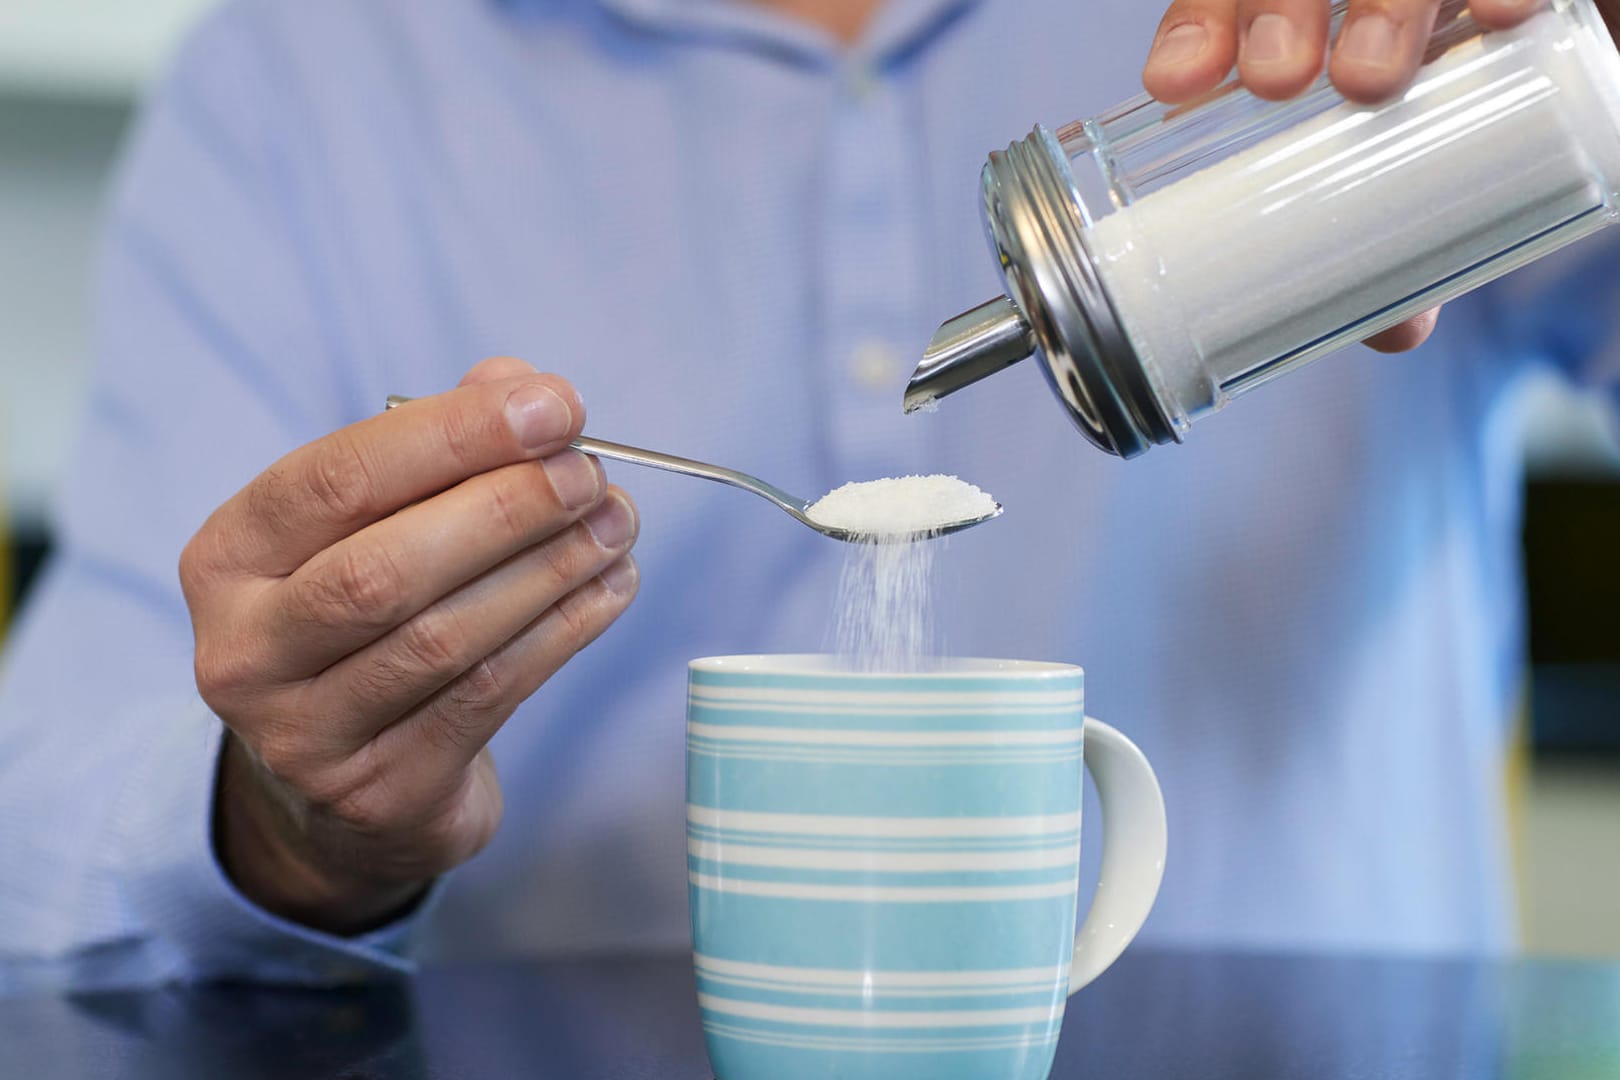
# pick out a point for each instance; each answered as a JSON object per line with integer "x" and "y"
{"x": 1271, "y": 39}
{"x": 1181, "y": 44}
{"x": 613, "y": 524}
{"x": 1370, "y": 41}
{"x": 538, "y": 416}
{"x": 622, "y": 576}
{"x": 574, "y": 477}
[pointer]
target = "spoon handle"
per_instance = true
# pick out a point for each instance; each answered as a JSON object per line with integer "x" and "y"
{"x": 670, "y": 463}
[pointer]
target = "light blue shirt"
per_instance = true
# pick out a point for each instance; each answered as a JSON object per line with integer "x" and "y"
{"x": 735, "y": 238}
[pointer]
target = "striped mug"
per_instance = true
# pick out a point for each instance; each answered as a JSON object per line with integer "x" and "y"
{"x": 884, "y": 868}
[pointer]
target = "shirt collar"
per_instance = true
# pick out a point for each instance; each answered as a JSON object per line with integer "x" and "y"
{"x": 900, "y": 26}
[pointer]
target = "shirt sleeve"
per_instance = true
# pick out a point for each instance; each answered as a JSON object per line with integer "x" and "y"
{"x": 215, "y": 352}
{"x": 161, "y": 849}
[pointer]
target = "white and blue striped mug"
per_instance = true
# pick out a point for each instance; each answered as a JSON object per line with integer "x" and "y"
{"x": 884, "y": 868}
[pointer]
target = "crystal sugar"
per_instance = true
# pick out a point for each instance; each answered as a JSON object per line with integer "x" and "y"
{"x": 901, "y": 506}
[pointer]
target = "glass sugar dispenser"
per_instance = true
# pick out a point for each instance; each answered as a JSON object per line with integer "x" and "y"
{"x": 1164, "y": 260}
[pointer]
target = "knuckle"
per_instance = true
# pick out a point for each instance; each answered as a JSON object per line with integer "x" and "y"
{"x": 1199, "y": 10}
{"x": 222, "y": 672}
{"x": 191, "y": 564}
{"x": 479, "y": 691}
{"x": 384, "y": 678}
{"x": 433, "y": 643}
{"x": 363, "y": 587}
{"x": 340, "y": 480}
{"x": 558, "y": 556}
{"x": 464, "y": 439}
{"x": 269, "y": 496}
{"x": 198, "y": 560}
{"x": 511, "y": 503}
{"x": 463, "y": 715}
{"x": 1397, "y": 11}
{"x": 582, "y": 615}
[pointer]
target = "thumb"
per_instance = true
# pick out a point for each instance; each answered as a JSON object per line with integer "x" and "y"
{"x": 496, "y": 368}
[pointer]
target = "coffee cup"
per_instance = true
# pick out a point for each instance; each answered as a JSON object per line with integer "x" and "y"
{"x": 884, "y": 868}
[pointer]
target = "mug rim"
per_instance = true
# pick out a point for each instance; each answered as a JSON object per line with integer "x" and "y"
{"x": 811, "y": 664}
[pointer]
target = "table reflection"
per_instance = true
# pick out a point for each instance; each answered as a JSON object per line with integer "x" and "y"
{"x": 1158, "y": 1015}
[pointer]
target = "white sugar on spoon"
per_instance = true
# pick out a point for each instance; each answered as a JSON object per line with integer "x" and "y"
{"x": 903, "y": 507}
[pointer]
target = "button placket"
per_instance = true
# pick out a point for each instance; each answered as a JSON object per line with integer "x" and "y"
{"x": 871, "y": 279}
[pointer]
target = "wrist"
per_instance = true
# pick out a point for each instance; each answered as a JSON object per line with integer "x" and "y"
{"x": 274, "y": 861}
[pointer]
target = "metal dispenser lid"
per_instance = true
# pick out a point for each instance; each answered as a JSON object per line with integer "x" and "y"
{"x": 1057, "y": 306}
{"x": 968, "y": 348}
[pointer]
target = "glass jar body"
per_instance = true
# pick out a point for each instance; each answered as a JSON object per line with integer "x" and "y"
{"x": 1236, "y": 239}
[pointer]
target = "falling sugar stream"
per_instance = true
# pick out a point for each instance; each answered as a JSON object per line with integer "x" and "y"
{"x": 883, "y": 612}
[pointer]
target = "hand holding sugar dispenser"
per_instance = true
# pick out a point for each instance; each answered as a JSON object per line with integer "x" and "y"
{"x": 1163, "y": 260}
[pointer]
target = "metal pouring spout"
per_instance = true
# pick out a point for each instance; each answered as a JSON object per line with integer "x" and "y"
{"x": 968, "y": 348}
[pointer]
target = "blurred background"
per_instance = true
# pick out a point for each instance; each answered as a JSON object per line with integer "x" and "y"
{"x": 71, "y": 76}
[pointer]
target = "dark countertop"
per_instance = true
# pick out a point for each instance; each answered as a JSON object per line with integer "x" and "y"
{"x": 1157, "y": 1014}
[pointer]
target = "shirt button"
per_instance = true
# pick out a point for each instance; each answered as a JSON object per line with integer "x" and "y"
{"x": 874, "y": 365}
{"x": 862, "y": 81}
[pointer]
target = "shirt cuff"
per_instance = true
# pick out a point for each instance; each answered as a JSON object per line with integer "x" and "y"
{"x": 181, "y": 899}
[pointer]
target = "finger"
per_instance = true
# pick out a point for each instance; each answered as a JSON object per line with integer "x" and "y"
{"x": 1282, "y": 45}
{"x": 335, "y": 486}
{"x": 1380, "y": 47}
{"x": 496, "y": 368}
{"x": 458, "y": 721}
{"x": 1504, "y": 14}
{"x": 1408, "y": 335}
{"x": 1194, "y": 49}
{"x": 382, "y": 682}
{"x": 363, "y": 587}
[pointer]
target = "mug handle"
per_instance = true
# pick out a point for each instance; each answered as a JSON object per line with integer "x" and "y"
{"x": 1132, "y": 855}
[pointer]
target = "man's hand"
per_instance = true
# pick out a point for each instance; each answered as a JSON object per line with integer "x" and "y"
{"x": 370, "y": 610}
{"x": 1280, "y": 47}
